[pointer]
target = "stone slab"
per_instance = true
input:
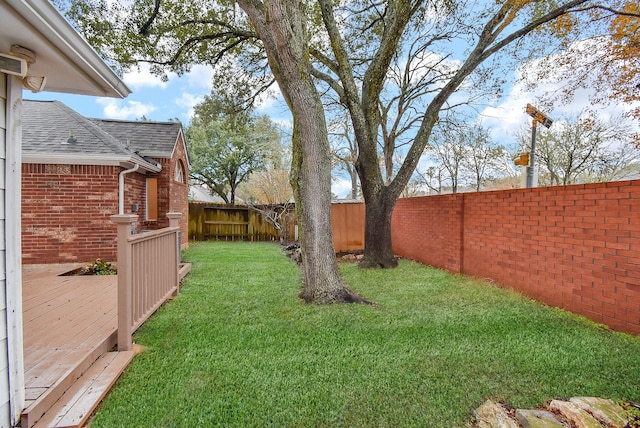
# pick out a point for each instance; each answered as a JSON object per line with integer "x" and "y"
{"x": 538, "y": 419}
{"x": 606, "y": 411}
{"x": 493, "y": 415}
{"x": 579, "y": 417}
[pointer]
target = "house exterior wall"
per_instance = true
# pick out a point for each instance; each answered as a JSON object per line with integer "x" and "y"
{"x": 179, "y": 192}
{"x": 65, "y": 212}
{"x": 173, "y": 196}
{"x": 66, "y": 209}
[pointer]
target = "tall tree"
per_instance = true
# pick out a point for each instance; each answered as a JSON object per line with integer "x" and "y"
{"x": 268, "y": 42}
{"x": 227, "y": 145}
{"x": 357, "y": 68}
{"x": 282, "y": 27}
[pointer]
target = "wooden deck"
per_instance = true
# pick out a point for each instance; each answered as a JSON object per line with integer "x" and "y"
{"x": 69, "y": 323}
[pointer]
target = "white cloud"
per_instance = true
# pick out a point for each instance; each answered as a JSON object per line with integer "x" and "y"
{"x": 341, "y": 187}
{"x": 200, "y": 76}
{"x": 124, "y": 110}
{"x": 143, "y": 78}
{"x": 187, "y": 101}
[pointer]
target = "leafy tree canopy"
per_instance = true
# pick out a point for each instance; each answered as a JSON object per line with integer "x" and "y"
{"x": 226, "y": 146}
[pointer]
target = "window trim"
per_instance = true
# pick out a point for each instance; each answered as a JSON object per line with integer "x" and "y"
{"x": 179, "y": 173}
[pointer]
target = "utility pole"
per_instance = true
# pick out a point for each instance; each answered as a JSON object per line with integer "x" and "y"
{"x": 538, "y": 117}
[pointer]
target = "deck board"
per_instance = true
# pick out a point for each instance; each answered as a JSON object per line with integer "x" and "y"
{"x": 65, "y": 319}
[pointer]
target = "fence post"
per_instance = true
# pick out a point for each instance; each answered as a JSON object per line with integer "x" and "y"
{"x": 125, "y": 223}
{"x": 174, "y": 221}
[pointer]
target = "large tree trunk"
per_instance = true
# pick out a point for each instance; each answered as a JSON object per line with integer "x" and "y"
{"x": 311, "y": 182}
{"x": 378, "y": 252}
{"x": 281, "y": 26}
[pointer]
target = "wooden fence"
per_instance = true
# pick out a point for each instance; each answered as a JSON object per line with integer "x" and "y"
{"x": 223, "y": 222}
{"x": 148, "y": 272}
{"x": 347, "y": 224}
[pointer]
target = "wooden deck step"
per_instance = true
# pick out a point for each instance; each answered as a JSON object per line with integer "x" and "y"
{"x": 75, "y": 407}
{"x": 40, "y": 400}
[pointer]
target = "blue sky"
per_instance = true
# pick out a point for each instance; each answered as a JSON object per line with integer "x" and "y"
{"x": 154, "y": 99}
{"x": 159, "y": 100}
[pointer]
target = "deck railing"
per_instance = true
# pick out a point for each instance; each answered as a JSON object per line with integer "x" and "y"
{"x": 148, "y": 266}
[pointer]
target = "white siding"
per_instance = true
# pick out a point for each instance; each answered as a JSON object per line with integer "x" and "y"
{"x": 12, "y": 394}
{"x": 4, "y": 350}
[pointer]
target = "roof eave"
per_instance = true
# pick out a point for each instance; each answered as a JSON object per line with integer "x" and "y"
{"x": 48, "y": 20}
{"x": 65, "y": 159}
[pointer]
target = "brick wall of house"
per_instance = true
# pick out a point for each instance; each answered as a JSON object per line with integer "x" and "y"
{"x": 65, "y": 212}
{"x": 67, "y": 208}
{"x": 179, "y": 192}
{"x": 575, "y": 247}
{"x": 135, "y": 192}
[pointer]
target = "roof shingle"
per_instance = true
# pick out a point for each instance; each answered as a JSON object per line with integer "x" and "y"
{"x": 51, "y": 127}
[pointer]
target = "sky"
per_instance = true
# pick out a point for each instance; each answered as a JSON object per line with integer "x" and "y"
{"x": 153, "y": 98}
{"x": 175, "y": 98}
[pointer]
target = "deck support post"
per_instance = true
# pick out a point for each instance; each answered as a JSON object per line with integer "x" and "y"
{"x": 174, "y": 221}
{"x": 125, "y": 224}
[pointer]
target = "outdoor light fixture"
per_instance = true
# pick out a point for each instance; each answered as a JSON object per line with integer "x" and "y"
{"x": 17, "y": 63}
{"x": 34, "y": 83}
{"x": 538, "y": 117}
{"x": 10, "y": 64}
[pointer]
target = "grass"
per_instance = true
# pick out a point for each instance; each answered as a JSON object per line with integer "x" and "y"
{"x": 238, "y": 349}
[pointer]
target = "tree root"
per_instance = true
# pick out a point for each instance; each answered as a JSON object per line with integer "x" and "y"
{"x": 343, "y": 295}
{"x": 369, "y": 263}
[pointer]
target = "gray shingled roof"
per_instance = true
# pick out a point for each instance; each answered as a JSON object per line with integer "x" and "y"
{"x": 155, "y": 139}
{"x": 47, "y": 128}
{"x": 50, "y": 128}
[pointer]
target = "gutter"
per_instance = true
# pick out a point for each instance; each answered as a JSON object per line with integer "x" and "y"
{"x": 121, "y": 187}
{"x": 85, "y": 159}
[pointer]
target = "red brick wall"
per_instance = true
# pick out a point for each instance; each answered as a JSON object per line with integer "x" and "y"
{"x": 66, "y": 209}
{"x": 576, "y": 247}
{"x": 413, "y": 216}
{"x": 65, "y": 212}
{"x": 178, "y": 193}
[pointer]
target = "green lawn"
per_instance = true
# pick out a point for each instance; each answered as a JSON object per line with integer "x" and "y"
{"x": 237, "y": 348}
